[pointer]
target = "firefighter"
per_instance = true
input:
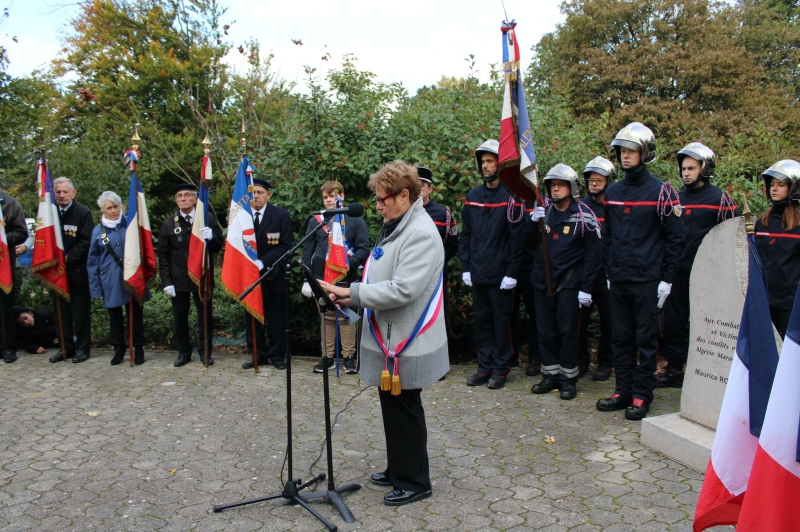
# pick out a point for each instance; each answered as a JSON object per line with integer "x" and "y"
{"x": 575, "y": 255}
{"x": 643, "y": 245}
{"x": 703, "y": 207}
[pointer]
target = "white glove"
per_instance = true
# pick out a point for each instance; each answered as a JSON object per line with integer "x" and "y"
{"x": 306, "y": 290}
{"x": 508, "y": 283}
{"x": 169, "y": 290}
{"x": 467, "y": 278}
{"x": 608, "y": 283}
{"x": 538, "y": 213}
{"x": 206, "y": 234}
{"x": 259, "y": 264}
{"x": 663, "y": 291}
{"x": 584, "y": 299}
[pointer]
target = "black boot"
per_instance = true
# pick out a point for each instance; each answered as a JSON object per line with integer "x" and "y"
{"x": 670, "y": 379}
{"x": 138, "y": 355}
{"x": 119, "y": 355}
{"x": 547, "y": 385}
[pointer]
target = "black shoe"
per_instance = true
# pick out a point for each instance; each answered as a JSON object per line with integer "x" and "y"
{"x": 350, "y": 365}
{"x": 119, "y": 356}
{"x": 279, "y": 363}
{"x": 582, "y": 371}
{"x": 547, "y": 385}
{"x": 638, "y": 410}
{"x": 614, "y": 402}
{"x": 401, "y": 497}
{"x": 533, "y": 370}
{"x": 380, "y": 479}
{"x": 138, "y": 356}
{"x": 479, "y": 379}
{"x": 670, "y": 379}
{"x": 443, "y": 377}
{"x": 602, "y": 374}
{"x": 568, "y": 391}
{"x": 183, "y": 359}
{"x": 80, "y": 356}
{"x": 249, "y": 364}
{"x": 58, "y": 357}
{"x": 9, "y": 357}
{"x": 210, "y": 361}
{"x": 496, "y": 382}
{"x": 323, "y": 365}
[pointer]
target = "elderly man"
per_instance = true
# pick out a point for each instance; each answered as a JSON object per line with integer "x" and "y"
{"x": 173, "y": 254}
{"x": 76, "y": 232}
{"x": 16, "y": 233}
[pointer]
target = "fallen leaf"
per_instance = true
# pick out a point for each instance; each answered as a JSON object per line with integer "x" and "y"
{"x": 173, "y": 470}
{"x": 34, "y": 396}
{"x": 549, "y": 440}
{"x": 93, "y": 413}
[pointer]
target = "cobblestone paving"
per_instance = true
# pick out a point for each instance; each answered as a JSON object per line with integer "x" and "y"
{"x": 95, "y": 447}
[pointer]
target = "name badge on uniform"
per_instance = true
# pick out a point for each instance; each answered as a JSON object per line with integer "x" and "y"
{"x": 273, "y": 238}
{"x": 547, "y": 228}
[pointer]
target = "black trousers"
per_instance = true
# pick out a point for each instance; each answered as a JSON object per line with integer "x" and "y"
{"x": 636, "y": 324}
{"x": 276, "y": 319}
{"x": 180, "y": 313}
{"x": 558, "y": 334}
{"x": 76, "y": 317}
{"x": 406, "y": 440}
{"x": 520, "y": 329}
{"x": 7, "y": 323}
{"x": 676, "y": 323}
{"x": 118, "y": 326}
{"x": 780, "y": 318}
{"x": 600, "y": 301}
{"x": 491, "y": 310}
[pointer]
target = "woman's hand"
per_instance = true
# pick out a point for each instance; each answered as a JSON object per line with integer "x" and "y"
{"x": 338, "y": 294}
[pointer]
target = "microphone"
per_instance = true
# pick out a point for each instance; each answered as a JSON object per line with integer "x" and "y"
{"x": 355, "y": 210}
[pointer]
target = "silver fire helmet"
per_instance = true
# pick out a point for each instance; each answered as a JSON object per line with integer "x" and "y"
{"x": 490, "y": 146}
{"x": 788, "y": 171}
{"x": 699, "y": 152}
{"x": 564, "y": 173}
{"x": 636, "y": 136}
{"x": 602, "y": 166}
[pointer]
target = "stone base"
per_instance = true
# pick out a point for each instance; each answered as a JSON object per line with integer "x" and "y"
{"x": 679, "y": 439}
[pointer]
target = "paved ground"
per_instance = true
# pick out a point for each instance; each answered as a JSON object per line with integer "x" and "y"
{"x": 95, "y": 447}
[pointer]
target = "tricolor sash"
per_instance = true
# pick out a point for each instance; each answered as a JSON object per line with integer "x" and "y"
{"x": 425, "y": 321}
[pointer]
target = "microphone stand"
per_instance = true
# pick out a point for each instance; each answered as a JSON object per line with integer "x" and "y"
{"x": 292, "y": 488}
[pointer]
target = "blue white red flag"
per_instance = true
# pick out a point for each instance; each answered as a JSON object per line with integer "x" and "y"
{"x": 337, "y": 261}
{"x": 774, "y": 488}
{"x": 197, "y": 262}
{"x": 49, "y": 260}
{"x": 743, "y": 407}
{"x": 6, "y": 268}
{"x": 517, "y": 158}
{"x": 239, "y": 266}
{"x": 139, "y": 255}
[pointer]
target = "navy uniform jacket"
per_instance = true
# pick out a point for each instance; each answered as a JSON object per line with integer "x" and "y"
{"x": 490, "y": 246}
{"x": 315, "y": 250}
{"x": 780, "y": 254}
{"x": 644, "y": 239}
{"x": 76, "y": 231}
{"x": 173, "y": 250}
{"x": 599, "y": 214}
{"x": 702, "y": 209}
{"x": 446, "y": 225}
{"x": 273, "y": 239}
{"x": 573, "y": 246}
{"x": 15, "y": 226}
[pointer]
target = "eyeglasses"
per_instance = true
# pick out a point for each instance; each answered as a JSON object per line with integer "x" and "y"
{"x": 185, "y": 195}
{"x": 382, "y": 200}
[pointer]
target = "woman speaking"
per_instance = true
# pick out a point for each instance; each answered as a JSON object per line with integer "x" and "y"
{"x": 403, "y": 344}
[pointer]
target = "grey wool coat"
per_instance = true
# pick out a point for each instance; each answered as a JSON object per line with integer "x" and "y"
{"x": 401, "y": 283}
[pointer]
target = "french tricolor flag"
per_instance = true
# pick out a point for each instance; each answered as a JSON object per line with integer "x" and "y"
{"x": 139, "y": 254}
{"x": 774, "y": 488}
{"x": 197, "y": 263}
{"x": 48, "y": 261}
{"x": 6, "y": 268}
{"x": 517, "y": 158}
{"x": 743, "y": 408}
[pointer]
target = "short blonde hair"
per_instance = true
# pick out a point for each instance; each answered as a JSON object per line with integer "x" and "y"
{"x": 332, "y": 187}
{"x": 394, "y": 177}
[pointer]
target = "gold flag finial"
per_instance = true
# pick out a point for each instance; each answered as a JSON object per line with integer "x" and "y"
{"x": 748, "y": 222}
{"x": 206, "y": 144}
{"x": 135, "y": 138}
{"x": 243, "y": 140}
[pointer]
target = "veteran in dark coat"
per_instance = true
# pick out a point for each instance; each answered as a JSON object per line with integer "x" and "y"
{"x": 76, "y": 232}
{"x": 16, "y": 234}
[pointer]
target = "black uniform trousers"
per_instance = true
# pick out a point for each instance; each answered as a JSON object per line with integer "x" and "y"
{"x": 77, "y": 322}
{"x": 600, "y": 301}
{"x": 524, "y": 293}
{"x": 275, "y": 316}
{"x": 406, "y": 440}
{"x": 636, "y": 324}
{"x": 7, "y": 323}
{"x": 558, "y": 334}
{"x": 180, "y": 312}
{"x": 117, "y": 326}
{"x": 491, "y": 310}
{"x": 676, "y": 323}
{"x": 780, "y": 318}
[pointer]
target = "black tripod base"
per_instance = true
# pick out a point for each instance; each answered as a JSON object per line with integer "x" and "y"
{"x": 333, "y": 497}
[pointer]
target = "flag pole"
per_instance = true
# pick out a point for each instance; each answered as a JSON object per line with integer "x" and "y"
{"x": 206, "y": 268}
{"x": 243, "y": 144}
{"x": 134, "y": 147}
{"x": 543, "y": 234}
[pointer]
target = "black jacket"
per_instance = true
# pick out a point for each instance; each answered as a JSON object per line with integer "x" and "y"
{"x": 780, "y": 254}
{"x": 44, "y": 332}
{"x": 643, "y": 241}
{"x": 702, "y": 209}
{"x": 573, "y": 246}
{"x": 15, "y": 226}
{"x": 447, "y": 227}
{"x": 76, "y": 231}
{"x": 600, "y": 215}
{"x": 490, "y": 246}
{"x": 173, "y": 251}
{"x": 273, "y": 239}
{"x": 316, "y": 249}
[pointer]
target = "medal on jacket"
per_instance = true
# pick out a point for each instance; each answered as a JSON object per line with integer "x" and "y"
{"x": 273, "y": 239}
{"x": 566, "y": 229}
